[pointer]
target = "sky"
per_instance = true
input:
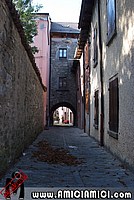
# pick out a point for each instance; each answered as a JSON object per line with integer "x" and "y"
{"x": 61, "y": 10}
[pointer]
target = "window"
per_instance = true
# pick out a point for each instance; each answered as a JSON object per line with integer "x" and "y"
{"x": 41, "y": 26}
{"x": 96, "y": 109}
{"x": 113, "y": 105}
{"x": 95, "y": 48}
{"x": 62, "y": 53}
{"x": 62, "y": 82}
{"x": 111, "y": 19}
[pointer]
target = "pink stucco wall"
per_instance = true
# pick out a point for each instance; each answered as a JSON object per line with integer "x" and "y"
{"x": 42, "y": 42}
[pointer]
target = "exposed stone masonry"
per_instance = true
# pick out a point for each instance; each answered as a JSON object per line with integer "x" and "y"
{"x": 16, "y": 19}
{"x": 62, "y": 67}
{"x": 21, "y": 92}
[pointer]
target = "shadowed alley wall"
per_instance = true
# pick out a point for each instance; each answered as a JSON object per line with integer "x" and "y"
{"x": 21, "y": 89}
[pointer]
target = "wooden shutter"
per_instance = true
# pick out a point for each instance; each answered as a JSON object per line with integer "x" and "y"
{"x": 96, "y": 109}
{"x": 113, "y": 105}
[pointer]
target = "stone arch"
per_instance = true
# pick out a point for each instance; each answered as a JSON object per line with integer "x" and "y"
{"x": 64, "y": 104}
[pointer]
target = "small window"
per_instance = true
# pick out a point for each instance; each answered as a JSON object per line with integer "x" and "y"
{"x": 62, "y": 82}
{"x": 95, "y": 48}
{"x": 96, "y": 109}
{"x": 41, "y": 26}
{"x": 62, "y": 53}
{"x": 111, "y": 19}
{"x": 113, "y": 105}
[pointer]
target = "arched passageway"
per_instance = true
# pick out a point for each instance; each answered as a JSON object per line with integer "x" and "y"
{"x": 63, "y": 116}
{"x": 63, "y": 113}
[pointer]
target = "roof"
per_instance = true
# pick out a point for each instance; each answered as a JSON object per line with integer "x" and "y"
{"x": 86, "y": 13}
{"x": 64, "y": 27}
{"x": 84, "y": 24}
{"x": 42, "y": 14}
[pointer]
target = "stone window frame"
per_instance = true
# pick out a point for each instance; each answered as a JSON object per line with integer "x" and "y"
{"x": 111, "y": 20}
{"x": 62, "y": 52}
{"x": 113, "y": 107}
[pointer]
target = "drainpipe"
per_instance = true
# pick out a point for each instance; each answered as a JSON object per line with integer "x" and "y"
{"x": 49, "y": 118}
{"x": 101, "y": 79}
{"x": 49, "y": 74}
{"x": 89, "y": 84}
{"x": 84, "y": 90}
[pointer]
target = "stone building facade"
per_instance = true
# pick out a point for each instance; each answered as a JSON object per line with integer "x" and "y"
{"x": 64, "y": 37}
{"x": 21, "y": 89}
{"x": 108, "y": 27}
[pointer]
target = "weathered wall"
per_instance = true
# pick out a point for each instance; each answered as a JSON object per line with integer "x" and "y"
{"x": 117, "y": 62}
{"x": 94, "y": 75}
{"x": 21, "y": 93}
{"x": 42, "y": 57}
{"x": 80, "y": 93}
{"x": 61, "y": 67}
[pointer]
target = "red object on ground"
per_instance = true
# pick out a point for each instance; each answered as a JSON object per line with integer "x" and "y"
{"x": 66, "y": 121}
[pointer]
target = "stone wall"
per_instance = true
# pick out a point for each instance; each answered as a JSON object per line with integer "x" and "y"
{"x": 21, "y": 92}
{"x": 61, "y": 67}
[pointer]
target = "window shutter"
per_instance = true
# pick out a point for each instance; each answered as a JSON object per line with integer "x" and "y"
{"x": 96, "y": 109}
{"x": 113, "y": 105}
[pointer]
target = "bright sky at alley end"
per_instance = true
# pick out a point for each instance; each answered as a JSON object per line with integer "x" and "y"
{"x": 61, "y": 10}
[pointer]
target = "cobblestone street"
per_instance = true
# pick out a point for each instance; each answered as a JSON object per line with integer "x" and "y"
{"x": 97, "y": 169}
{"x": 66, "y": 99}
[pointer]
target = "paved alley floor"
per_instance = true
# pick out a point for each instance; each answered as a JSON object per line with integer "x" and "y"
{"x": 98, "y": 169}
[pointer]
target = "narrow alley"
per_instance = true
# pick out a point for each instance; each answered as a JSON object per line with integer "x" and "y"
{"x": 97, "y": 167}
{"x": 67, "y": 99}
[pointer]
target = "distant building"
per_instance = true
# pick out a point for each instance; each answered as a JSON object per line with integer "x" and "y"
{"x": 64, "y": 38}
{"x": 63, "y": 115}
{"x": 42, "y": 58}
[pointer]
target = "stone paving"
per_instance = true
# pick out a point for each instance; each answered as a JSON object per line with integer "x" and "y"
{"x": 99, "y": 168}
